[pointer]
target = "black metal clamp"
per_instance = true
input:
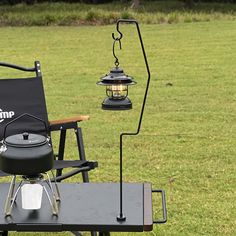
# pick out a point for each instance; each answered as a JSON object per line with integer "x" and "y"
{"x": 164, "y": 209}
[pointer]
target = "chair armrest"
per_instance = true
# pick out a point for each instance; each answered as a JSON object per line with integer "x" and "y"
{"x": 69, "y": 120}
{"x": 67, "y": 123}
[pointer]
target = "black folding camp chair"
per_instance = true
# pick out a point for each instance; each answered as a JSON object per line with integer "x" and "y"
{"x": 26, "y": 95}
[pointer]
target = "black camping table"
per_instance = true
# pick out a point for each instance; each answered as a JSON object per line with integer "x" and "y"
{"x": 84, "y": 207}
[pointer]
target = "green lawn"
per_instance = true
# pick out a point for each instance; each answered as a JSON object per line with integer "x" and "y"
{"x": 187, "y": 144}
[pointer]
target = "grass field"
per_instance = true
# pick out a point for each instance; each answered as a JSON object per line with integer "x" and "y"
{"x": 187, "y": 145}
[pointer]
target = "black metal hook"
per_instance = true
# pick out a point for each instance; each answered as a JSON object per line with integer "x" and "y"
{"x": 115, "y": 40}
{"x": 113, "y": 51}
{"x": 120, "y": 34}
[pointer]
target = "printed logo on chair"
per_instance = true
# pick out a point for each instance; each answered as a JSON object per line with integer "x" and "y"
{"x": 6, "y": 115}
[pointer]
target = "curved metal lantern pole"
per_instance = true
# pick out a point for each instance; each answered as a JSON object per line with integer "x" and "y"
{"x": 121, "y": 216}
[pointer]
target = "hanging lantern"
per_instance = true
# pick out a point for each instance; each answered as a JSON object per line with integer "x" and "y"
{"x": 116, "y": 83}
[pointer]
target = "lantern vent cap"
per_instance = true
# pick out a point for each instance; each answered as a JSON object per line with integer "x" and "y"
{"x": 116, "y": 77}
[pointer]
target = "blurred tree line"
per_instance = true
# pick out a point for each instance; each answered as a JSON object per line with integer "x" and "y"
{"x": 134, "y": 3}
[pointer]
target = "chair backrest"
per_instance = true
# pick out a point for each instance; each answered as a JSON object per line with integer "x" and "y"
{"x": 19, "y": 96}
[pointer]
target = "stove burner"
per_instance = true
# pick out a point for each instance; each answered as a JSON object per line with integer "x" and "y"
{"x": 27, "y": 180}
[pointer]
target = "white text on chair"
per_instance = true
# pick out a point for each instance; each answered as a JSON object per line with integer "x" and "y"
{"x": 6, "y": 115}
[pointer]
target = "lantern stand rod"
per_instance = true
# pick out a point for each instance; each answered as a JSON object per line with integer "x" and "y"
{"x": 121, "y": 216}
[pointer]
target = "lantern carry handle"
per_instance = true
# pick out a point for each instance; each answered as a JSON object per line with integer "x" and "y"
{"x": 19, "y": 117}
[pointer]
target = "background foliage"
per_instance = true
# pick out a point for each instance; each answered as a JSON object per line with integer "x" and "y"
{"x": 149, "y": 12}
{"x": 188, "y": 2}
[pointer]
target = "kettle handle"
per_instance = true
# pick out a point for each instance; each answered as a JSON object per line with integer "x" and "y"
{"x": 19, "y": 117}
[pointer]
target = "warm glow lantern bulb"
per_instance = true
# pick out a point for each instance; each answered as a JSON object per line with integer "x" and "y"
{"x": 116, "y": 83}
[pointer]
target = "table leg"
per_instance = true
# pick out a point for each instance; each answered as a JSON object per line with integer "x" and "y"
{"x": 76, "y": 233}
{"x": 3, "y": 233}
{"x": 104, "y": 233}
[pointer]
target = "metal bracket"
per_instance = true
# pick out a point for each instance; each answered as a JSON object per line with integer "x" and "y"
{"x": 164, "y": 210}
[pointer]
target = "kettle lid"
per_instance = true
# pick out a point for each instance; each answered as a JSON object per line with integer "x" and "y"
{"x": 25, "y": 140}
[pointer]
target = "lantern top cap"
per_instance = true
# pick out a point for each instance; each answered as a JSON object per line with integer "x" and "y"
{"x": 117, "y": 70}
{"x": 116, "y": 76}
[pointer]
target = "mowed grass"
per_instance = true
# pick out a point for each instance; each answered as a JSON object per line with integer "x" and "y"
{"x": 187, "y": 144}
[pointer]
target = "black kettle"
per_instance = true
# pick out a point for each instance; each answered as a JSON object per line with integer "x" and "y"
{"x": 26, "y": 153}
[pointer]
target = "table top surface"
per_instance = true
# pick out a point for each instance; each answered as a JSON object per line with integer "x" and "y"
{"x": 84, "y": 207}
